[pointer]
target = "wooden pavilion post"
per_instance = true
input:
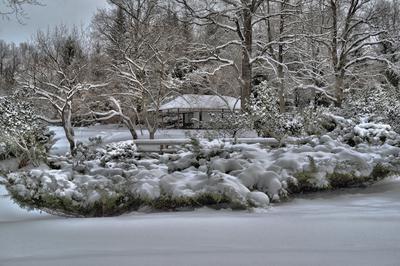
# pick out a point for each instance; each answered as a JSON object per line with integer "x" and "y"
{"x": 162, "y": 120}
{"x": 200, "y": 118}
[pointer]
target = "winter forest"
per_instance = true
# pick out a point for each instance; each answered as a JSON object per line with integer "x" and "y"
{"x": 186, "y": 132}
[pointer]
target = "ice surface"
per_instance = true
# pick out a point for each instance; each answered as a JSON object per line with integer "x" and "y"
{"x": 357, "y": 227}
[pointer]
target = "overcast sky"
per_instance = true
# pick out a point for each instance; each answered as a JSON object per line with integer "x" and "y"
{"x": 55, "y": 12}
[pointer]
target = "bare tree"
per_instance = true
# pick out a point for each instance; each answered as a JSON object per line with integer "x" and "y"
{"x": 56, "y": 75}
{"x": 238, "y": 19}
{"x": 342, "y": 38}
{"x": 276, "y": 48}
{"x": 16, "y": 8}
{"x": 142, "y": 57}
{"x": 388, "y": 19}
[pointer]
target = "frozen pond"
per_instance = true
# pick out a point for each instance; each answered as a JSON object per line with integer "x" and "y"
{"x": 355, "y": 227}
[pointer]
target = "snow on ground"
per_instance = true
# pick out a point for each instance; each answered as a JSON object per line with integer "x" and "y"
{"x": 109, "y": 133}
{"x": 115, "y": 133}
{"x": 8, "y": 165}
{"x": 354, "y": 227}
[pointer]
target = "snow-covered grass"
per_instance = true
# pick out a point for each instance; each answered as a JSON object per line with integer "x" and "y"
{"x": 357, "y": 228}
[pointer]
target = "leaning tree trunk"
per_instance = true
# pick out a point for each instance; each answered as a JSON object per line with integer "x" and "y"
{"x": 131, "y": 126}
{"x": 67, "y": 126}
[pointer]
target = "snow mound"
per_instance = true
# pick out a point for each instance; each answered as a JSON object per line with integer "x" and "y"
{"x": 375, "y": 134}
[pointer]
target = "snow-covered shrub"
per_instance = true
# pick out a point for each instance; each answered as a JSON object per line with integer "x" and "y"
{"x": 116, "y": 151}
{"x": 229, "y": 125}
{"x": 22, "y": 135}
{"x": 357, "y": 131}
{"x": 96, "y": 140}
{"x": 346, "y": 179}
{"x": 116, "y": 179}
{"x": 369, "y": 101}
{"x": 314, "y": 120}
{"x": 393, "y": 116}
{"x": 266, "y": 117}
{"x": 376, "y": 103}
{"x": 374, "y": 133}
{"x": 298, "y": 121}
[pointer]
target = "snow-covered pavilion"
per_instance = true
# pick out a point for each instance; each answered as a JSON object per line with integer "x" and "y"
{"x": 193, "y": 110}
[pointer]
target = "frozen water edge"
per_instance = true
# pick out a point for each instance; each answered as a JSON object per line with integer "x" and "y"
{"x": 355, "y": 227}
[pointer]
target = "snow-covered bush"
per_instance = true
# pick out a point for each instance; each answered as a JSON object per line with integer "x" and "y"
{"x": 96, "y": 140}
{"x": 374, "y": 133}
{"x": 357, "y": 131}
{"x": 393, "y": 117}
{"x": 263, "y": 115}
{"x": 116, "y": 179}
{"x": 314, "y": 120}
{"x": 266, "y": 117}
{"x": 376, "y": 103}
{"x": 22, "y": 135}
{"x": 229, "y": 125}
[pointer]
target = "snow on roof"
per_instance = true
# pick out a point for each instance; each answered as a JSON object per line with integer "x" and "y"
{"x": 194, "y": 101}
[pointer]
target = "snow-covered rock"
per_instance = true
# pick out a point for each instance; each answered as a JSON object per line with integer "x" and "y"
{"x": 258, "y": 199}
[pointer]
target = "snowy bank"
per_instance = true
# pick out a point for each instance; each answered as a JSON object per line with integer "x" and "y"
{"x": 116, "y": 179}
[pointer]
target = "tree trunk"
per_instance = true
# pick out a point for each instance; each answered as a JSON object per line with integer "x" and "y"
{"x": 152, "y": 134}
{"x": 339, "y": 88}
{"x": 67, "y": 126}
{"x": 129, "y": 124}
{"x": 133, "y": 133}
{"x": 246, "y": 55}
{"x": 282, "y": 101}
{"x": 335, "y": 58}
